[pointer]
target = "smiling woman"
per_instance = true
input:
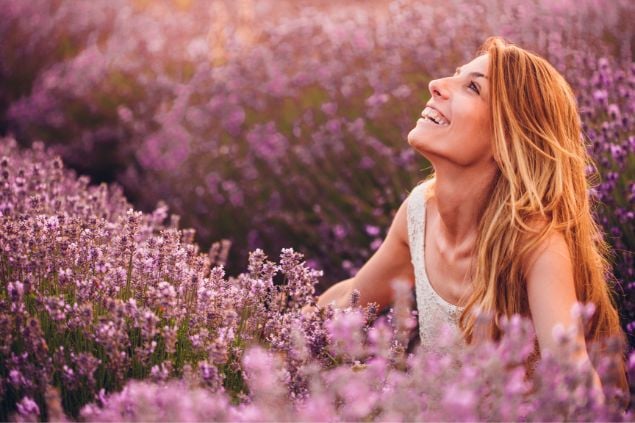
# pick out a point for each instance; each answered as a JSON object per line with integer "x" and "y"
{"x": 504, "y": 223}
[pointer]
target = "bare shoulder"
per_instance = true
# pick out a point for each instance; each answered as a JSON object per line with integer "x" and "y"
{"x": 551, "y": 251}
{"x": 400, "y": 223}
{"x": 391, "y": 261}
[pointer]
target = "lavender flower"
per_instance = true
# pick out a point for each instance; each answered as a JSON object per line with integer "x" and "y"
{"x": 96, "y": 293}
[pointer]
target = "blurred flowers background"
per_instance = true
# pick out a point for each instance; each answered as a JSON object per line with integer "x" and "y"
{"x": 270, "y": 128}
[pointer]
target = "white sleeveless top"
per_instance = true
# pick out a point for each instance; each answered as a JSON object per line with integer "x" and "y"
{"x": 435, "y": 313}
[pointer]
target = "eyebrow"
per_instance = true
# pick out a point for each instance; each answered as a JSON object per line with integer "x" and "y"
{"x": 474, "y": 74}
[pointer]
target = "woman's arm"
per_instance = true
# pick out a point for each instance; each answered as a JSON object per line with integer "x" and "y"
{"x": 391, "y": 261}
{"x": 551, "y": 294}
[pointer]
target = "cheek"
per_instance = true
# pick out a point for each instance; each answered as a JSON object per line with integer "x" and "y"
{"x": 472, "y": 126}
{"x": 483, "y": 133}
{"x": 484, "y": 130}
{"x": 479, "y": 125}
{"x": 475, "y": 134}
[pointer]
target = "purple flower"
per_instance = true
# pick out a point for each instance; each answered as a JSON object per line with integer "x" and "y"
{"x": 28, "y": 409}
{"x": 372, "y": 230}
{"x": 345, "y": 332}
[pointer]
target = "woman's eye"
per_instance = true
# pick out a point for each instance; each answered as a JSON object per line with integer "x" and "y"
{"x": 474, "y": 87}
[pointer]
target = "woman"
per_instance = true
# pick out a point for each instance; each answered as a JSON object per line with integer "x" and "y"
{"x": 504, "y": 222}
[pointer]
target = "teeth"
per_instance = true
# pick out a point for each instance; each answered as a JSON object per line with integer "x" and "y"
{"x": 433, "y": 115}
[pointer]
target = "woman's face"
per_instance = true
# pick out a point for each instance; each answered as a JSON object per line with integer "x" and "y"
{"x": 463, "y": 100}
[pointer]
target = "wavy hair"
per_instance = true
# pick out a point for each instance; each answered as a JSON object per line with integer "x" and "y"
{"x": 540, "y": 186}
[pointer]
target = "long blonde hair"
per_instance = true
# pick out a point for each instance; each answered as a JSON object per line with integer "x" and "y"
{"x": 540, "y": 151}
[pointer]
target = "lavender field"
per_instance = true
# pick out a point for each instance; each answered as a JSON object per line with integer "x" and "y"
{"x": 178, "y": 178}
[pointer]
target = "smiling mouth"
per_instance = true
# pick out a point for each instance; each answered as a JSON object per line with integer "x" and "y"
{"x": 434, "y": 116}
{"x": 436, "y": 123}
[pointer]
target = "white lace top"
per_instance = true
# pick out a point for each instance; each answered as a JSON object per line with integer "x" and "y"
{"x": 434, "y": 311}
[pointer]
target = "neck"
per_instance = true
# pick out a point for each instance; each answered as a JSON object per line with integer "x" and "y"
{"x": 460, "y": 197}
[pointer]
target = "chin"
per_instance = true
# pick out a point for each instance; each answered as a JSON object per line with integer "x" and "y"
{"x": 415, "y": 139}
{"x": 412, "y": 136}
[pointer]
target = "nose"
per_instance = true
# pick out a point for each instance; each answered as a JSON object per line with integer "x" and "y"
{"x": 437, "y": 88}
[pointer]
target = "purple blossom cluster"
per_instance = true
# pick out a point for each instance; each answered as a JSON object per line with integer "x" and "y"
{"x": 94, "y": 293}
{"x": 264, "y": 133}
{"x": 606, "y": 99}
{"x": 109, "y": 314}
{"x": 251, "y": 110}
{"x": 484, "y": 382}
{"x": 607, "y": 105}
